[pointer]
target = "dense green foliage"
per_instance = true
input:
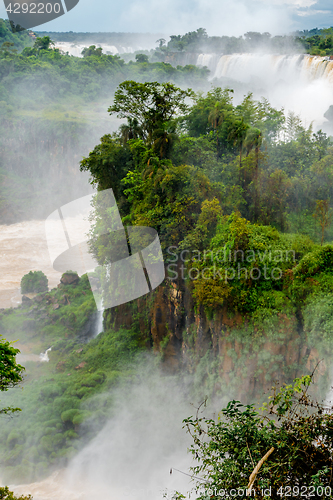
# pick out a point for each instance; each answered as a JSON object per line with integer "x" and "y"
{"x": 10, "y": 371}
{"x": 250, "y": 157}
{"x": 199, "y": 41}
{"x": 12, "y": 39}
{"x": 317, "y": 42}
{"x": 240, "y": 196}
{"x": 297, "y": 431}
{"x": 65, "y": 400}
{"x": 53, "y": 111}
{"x": 233, "y": 188}
{"x": 54, "y": 75}
{"x": 5, "y": 494}
{"x": 34, "y": 282}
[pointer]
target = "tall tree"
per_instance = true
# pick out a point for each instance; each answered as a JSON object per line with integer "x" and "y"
{"x": 215, "y": 118}
{"x": 253, "y": 140}
{"x": 237, "y": 136}
{"x": 150, "y": 104}
{"x": 323, "y": 216}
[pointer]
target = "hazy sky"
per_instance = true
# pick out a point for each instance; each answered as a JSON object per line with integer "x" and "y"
{"x": 179, "y": 16}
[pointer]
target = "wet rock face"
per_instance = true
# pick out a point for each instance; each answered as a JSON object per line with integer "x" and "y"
{"x": 171, "y": 324}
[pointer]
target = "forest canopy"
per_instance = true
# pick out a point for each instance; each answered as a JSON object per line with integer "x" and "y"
{"x": 244, "y": 184}
{"x": 239, "y": 187}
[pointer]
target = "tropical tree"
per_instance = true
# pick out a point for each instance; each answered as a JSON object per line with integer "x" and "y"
{"x": 141, "y": 58}
{"x": 130, "y": 130}
{"x": 161, "y": 42}
{"x": 109, "y": 161}
{"x": 215, "y": 118}
{"x": 285, "y": 449}
{"x": 164, "y": 137}
{"x": 43, "y": 43}
{"x": 92, "y": 51}
{"x": 149, "y": 104}
{"x": 10, "y": 371}
{"x": 253, "y": 140}
{"x": 207, "y": 111}
{"x": 237, "y": 136}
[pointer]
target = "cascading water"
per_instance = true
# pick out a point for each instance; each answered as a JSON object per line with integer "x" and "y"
{"x": 99, "y": 323}
{"x": 268, "y": 68}
{"x": 44, "y": 355}
{"x": 75, "y": 49}
{"x": 209, "y": 60}
{"x": 299, "y": 82}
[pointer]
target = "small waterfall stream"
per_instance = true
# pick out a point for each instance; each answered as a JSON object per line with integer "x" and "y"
{"x": 44, "y": 355}
{"x": 99, "y": 323}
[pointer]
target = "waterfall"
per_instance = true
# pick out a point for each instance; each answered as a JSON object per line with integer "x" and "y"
{"x": 44, "y": 356}
{"x": 75, "y": 49}
{"x": 267, "y": 68}
{"x": 209, "y": 60}
{"x": 297, "y": 82}
{"x": 99, "y": 322}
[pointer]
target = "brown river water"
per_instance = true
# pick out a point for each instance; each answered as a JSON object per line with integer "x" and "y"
{"x": 23, "y": 248}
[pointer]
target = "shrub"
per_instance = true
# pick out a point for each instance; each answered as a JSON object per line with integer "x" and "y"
{"x": 68, "y": 415}
{"x": 34, "y": 282}
{"x": 290, "y": 441}
{"x": 5, "y": 494}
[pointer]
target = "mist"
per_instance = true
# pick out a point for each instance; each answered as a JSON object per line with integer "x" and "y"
{"x": 131, "y": 457}
{"x": 47, "y": 132}
{"x": 298, "y": 83}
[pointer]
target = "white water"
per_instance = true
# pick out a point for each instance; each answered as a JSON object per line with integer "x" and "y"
{"x": 99, "y": 323}
{"x": 44, "y": 355}
{"x": 268, "y": 68}
{"x": 299, "y": 83}
{"x": 76, "y": 49}
{"x": 134, "y": 452}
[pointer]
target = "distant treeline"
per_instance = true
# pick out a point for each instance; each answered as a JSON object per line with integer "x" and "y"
{"x": 199, "y": 41}
{"x": 122, "y": 39}
{"x": 51, "y": 114}
{"x": 194, "y": 41}
{"x": 315, "y": 41}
